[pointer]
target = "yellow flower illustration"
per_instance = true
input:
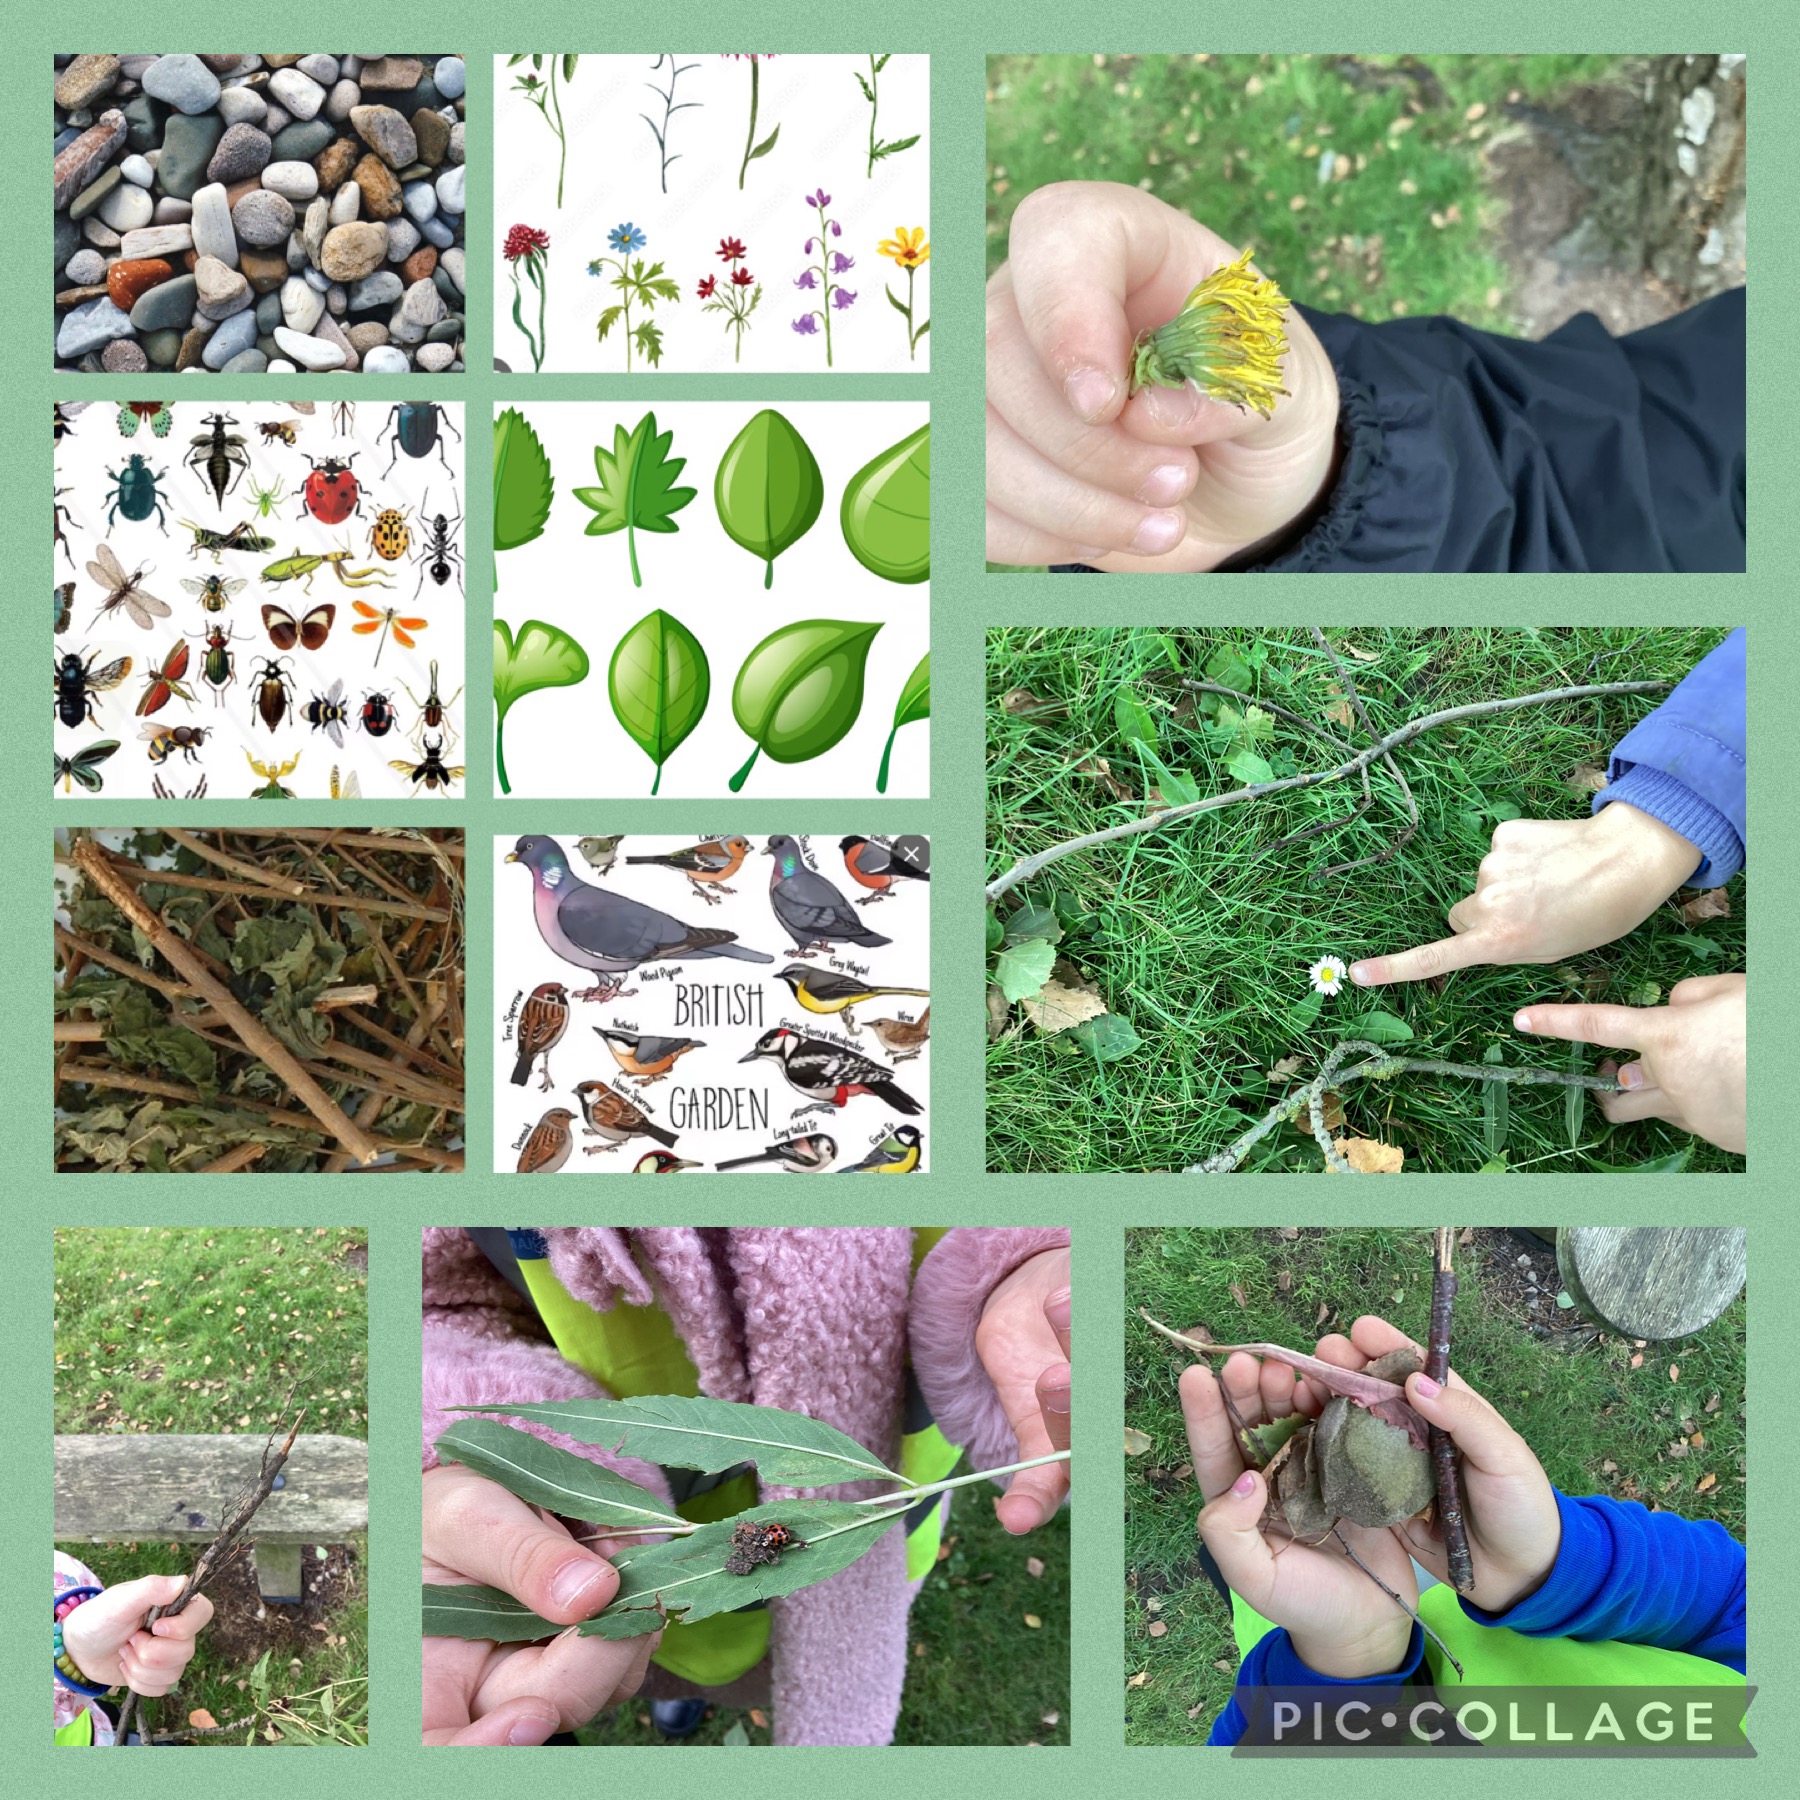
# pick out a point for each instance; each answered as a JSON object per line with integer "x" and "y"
{"x": 908, "y": 246}
{"x": 1227, "y": 339}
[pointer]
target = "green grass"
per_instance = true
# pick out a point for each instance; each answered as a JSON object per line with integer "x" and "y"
{"x": 976, "y": 1673}
{"x": 1575, "y": 1399}
{"x": 1202, "y": 938}
{"x": 1237, "y": 142}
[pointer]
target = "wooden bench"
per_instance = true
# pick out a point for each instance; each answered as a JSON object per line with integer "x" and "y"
{"x": 118, "y": 1488}
{"x": 1651, "y": 1281}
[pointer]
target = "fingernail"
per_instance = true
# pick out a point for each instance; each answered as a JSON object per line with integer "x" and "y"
{"x": 573, "y": 1580}
{"x": 1522, "y": 1021}
{"x": 1090, "y": 392}
{"x": 1057, "y": 1309}
{"x": 1165, "y": 485}
{"x": 1056, "y": 1400}
{"x": 1426, "y": 1386}
{"x": 530, "y": 1730}
{"x": 1245, "y": 1485}
{"x": 1363, "y": 974}
{"x": 1160, "y": 532}
{"x": 1173, "y": 409}
{"x": 1631, "y": 1076}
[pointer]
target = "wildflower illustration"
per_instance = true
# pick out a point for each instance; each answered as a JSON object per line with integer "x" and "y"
{"x": 1227, "y": 339}
{"x": 670, "y": 108}
{"x": 870, "y": 85}
{"x": 1327, "y": 976}
{"x": 544, "y": 96}
{"x": 738, "y": 295}
{"x": 818, "y": 278}
{"x": 752, "y": 149}
{"x": 527, "y": 246}
{"x": 639, "y": 283}
{"x": 910, "y": 250}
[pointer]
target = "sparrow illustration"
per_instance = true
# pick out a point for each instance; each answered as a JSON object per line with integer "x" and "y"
{"x": 802, "y": 1155}
{"x": 826, "y": 1072}
{"x": 608, "y": 933}
{"x": 601, "y": 852}
{"x": 896, "y": 1154}
{"x": 660, "y": 1162}
{"x": 903, "y": 1039}
{"x": 828, "y": 991}
{"x": 808, "y": 908}
{"x": 613, "y": 1117}
{"x": 707, "y": 866}
{"x": 547, "y": 1149}
{"x": 542, "y": 1020}
{"x": 648, "y": 1058}
{"x": 876, "y": 867}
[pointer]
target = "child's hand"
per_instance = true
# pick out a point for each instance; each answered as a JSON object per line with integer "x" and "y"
{"x": 478, "y": 1692}
{"x": 1340, "y": 1622}
{"x": 111, "y": 1648}
{"x": 1023, "y": 1343}
{"x": 1509, "y": 1508}
{"x": 1691, "y": 1067}
{"x": 1168, "y": 480}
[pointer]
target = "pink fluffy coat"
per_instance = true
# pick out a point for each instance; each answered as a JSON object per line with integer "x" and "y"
{"x": 816, "y": 1320}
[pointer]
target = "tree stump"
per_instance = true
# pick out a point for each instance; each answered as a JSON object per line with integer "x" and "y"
{"x": 1652, "y": 1282}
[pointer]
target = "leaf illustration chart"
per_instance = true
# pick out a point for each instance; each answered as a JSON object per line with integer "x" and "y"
{"x": 671, "y": 1005}
{"x": 718, "y": 213}
{"x": 258, "y": 599}
{"x": 706, "y": 598}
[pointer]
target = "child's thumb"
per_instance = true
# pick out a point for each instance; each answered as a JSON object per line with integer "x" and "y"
{"x": 1481, "y": 1436}
{"x": 128, "y": 1601}
{"x": 1231, "y": 1528}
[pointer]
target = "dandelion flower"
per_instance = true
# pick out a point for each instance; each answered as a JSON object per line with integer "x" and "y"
{"x": 1227, "y": 340}
{"x": 1326, "y": 975}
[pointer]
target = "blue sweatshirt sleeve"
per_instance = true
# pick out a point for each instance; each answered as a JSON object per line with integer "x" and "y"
{"x": 1626, "y": 1575}
{"x": 1686, "y": 763}
{"x": 1275, "y": 1663}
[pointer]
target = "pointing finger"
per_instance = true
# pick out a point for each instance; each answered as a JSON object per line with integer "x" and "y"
{"x": 1460, "y": 952}
{"x": 1625, "y": 1027}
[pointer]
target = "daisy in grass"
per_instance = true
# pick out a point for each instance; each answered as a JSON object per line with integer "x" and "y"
{"x": 1326, "y": 975}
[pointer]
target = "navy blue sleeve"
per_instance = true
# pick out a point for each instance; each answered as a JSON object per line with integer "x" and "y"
{"x": 1467, "y": 451}
{"x": 1686, "y": 764}
{"x": 1625, "y": 1575}
{"x": 1273, "y": 1662}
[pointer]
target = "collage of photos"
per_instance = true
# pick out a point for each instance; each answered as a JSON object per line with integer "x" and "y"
{"x": 1449, "y": 880}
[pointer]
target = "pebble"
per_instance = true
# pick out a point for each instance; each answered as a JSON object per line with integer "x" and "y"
{"x": 169, "y": 306}
{"x": 451, "y": 262}
{"x": 268, "y": 312}
{"x": 300, "y": 304}
{"x": 330, "y": 332}
{"x": 67, "y": 238}
{"x": 213, "y": 235}
{"x": 246, "y": 362}
{"x": 266, "y": 269}
{"x": 279, "y": 365}
{"x": 433, "y": 133}
{"x": 293, "y": 181}
{"x": 450, "y": 77}
{"x": 339, "y": 101}
{"x": 381, "y": 194}
{"x": 85, "y": 80}
{"x": 456, "y": 142}
{"x": 310, "y": 352}
{"x": 421, "y": 307}
{"x": 302, "y": 142}
{"x": 88, "y": 200}
{"x": 353, "y": 251}
{"x": 89, "y": 327}
{"x": 384, "y": 359}
{"x": 183, "y": 82}
{"x": 137, "y": 170}
{"x": 223, "y": 290}
{"x": 346, "y": 204}
{"x": 420, "y": 200}
{"x": 242, "y": 106}
{"x": 440, "y": 232}
{"x": 335, "y": 164}
{"x": 314, "y": 227}
{"x": 187, "y": 147}
{"x": 128, "y": 282}
{"x": 435, "y": 358}
{"x": 236, "y": 335}
{"x": 419, "y": 265}
{"x": 387, "y": 133}
{"x": 300, "y": 95}
{"x": 143, "y": 122}
{"x": 158, "y": 240}
{"x": 124, "y": 356}
{"x": 99, "y": 234}
{"x": 127, "y": 208}
{"x": 170, "y": 211}
{"x": 243, "y": 150}
{"x": 87, "y": 266}
{"x": 450, "y": 190}
{"x": 162, "y": 347}
{"x": 278, "y": 118}
{"x": 262, "y": 218}
{"x": 403, "y": 239}
{"x": 389, "y": 72}
{"x": 382, "y": 288}
{"x": 322, "y": 69}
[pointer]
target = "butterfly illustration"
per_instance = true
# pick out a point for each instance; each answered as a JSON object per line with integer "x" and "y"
{"x": 123, "y": 590}
{"x": 310, "y": 629}
{"x": 165, "y": 684}
{"x": 83, "y": 766}
{"x": 384, "y": 621}
{"x": 154, "y": 413}
{"x": 62, "y": 600}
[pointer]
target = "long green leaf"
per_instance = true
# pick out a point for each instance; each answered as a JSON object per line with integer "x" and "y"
{"x": 694, "y": 1432}
{"x": 1496, "y": 1111}
{"x": 523, "y": 483}
{"x": 801, "y": 689}
{"x": 886, "y": 512}
{"x": 913, "y": 705}
{"x": 1575, "y": 1098}
{"x": 660, "y": 682}
{"x": 768, "y": 489}
{"x": 637, "y": 490}
{"x": 482, "y": 1612}
{"x": 547, "y": 1476}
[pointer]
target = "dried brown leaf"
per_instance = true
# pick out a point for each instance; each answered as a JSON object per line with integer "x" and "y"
{"x": 1369, "y": 1157}
{"x": 1288, "y": 1065}
{"x": 1140, "y": 1679}
{"x": 1586, "y": 778}
{"x": 1712, "y": 1406}
{"x": 1355, "y": 651}
{"x": 1032, "y": 1621}
{"x": 1055, "y": 1008}
{"x": 1034, "y": 1567}
{"x": 1324, "y": 1314}
{"x": 1706, "y": 1484}
{"x": 1136, "y": 1442}
{"x": 1710, "y": 903}
{"x": 1097, "y": 768}
{"x": 1339, "y": 712}
{"x": 1158, "y": 1628}
{"x": 1021, "y": 702}
{"x": 997, "y": 1011}
{"x": 1237, "y": 1293}
{"x": 1637, "y": 1362}
{"x": 1674, "y": 1371}
{"x": 1284, "y": 1282}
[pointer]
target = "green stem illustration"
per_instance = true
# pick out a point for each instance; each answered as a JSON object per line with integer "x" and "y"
{"x": 887, "y": 750}
{"x": 562, "y": 159}
{"x": 874, "y": 108}
{"x": 750, "y": 139}
{"x": 737, "y": 781}
{"x": 500, "y": 754}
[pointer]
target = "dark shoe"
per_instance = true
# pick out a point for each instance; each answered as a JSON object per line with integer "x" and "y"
{"x": 677, "y": 1718}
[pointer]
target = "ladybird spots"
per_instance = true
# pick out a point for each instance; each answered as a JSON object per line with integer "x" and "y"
{"x": 331, "y": 492}
{"x": 756, "y": 1542}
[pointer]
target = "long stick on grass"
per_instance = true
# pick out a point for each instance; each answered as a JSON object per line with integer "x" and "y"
{"x": 1029, "y": 866}
{"x": 1443, "y": 1451}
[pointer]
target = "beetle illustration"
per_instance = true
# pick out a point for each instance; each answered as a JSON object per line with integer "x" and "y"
{"x": 218, "y": 668}
{"x": 430, "y": 768}
{"x": 434, "y": 714}
{"x": 755, "y": 1541}
{"x": 75, "y": 682}
{"x": 135, "y": 492}
{"x": 389, "y": 536}
{"x": 415, "y": 425}
{"x": 331, "y": 493}
{"x": 436, "y": 551}
{"x": 274, "y": 689}
{"x": 378, "y": 714}
{"x": 165, "y": 740}
{"x": 154, "y": 413}
{"x": 218, "y": 456}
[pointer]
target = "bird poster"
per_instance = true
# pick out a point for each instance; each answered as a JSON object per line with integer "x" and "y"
{"x": 757, "y": 1004}
{"x": 257, "y": 600}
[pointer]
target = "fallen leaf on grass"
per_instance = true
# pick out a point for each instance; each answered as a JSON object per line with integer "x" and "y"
{"x": 1586, "y": 778}
{"x": 1195, "y": 1711}
{"x": 1225, "y": 1665}
{"x": 1331, "y": 1109}
{"x": 1158, "y": 1628}
{"x": 1097, "y": 768}
{"x": 202, "y": 1720}
{"x": 759, "y": 1718}
{"x": 997, "y": 1009}
{"x": 1609, "y": 1467}
{"x": 1288, "y": 1065}
{"x": 1324, "y": 1314}
{"x": 1352, "y": 650}
{"x": 1140, "y": 1679}
{"x": 1713, "y": 903}
{"x": 1637, "y": 1362}
{"x": 1285, "y": 1281}
{"x": 1238, "y": 1294}
{"x": 1368, "y": 1157}
{"x": 1034, "y": 1567}
{"x": 1289, "y": 1232}
{"x": 1055, "y": 1008}
{"x": 1154, "y": 1604}
{"x": 1032, "y": 1621}
{"x": 1136, "y": 1442}
{"x": 1712, "y": 1406}
{"x": 1339, "y": 712}
{"x": 1706, "y": 1484}
{"x": 1021, "y": 702}
{"x": 1674, "y": 1371}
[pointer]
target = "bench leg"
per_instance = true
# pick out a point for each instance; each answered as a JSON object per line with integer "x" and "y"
{"x": 278, "y": 1573}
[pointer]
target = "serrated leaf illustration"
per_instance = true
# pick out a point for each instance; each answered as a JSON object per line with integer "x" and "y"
{"x": 886, "y": 511}
{"x": 913, "y": 705}
{"x": 637, "y": 489}
{"x": 659, "y": 683}
{"x": 801, "y": 689}
{"x": 523, "y": 484}
{"x": 541, "y": 656}
{"x": 546, "y": 1476}
{"x": 768, "y": 489}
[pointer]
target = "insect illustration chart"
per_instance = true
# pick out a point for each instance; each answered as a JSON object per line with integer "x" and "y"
{"x": 704, "y": 598}
{"x": 703, "y": 212}
{"x": 758, "y": 1003}
{"x": 258, "y": 599}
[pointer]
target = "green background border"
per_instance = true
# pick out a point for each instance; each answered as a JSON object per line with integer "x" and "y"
{"x": 958, "y": 36}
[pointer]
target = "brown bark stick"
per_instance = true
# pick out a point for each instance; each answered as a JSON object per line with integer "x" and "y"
{"x": 234, "y": 1160}
{"x": 255, "y": 873}
{"x": 1443, "y": 1451}
{"x": 78, "y": 1031}
{"x": 131, "y": 871}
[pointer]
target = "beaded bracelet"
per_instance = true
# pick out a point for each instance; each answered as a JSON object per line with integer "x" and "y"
{"x": 62, "y": 1664}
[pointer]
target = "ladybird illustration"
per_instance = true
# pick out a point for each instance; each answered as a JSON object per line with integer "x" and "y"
{"x": 754, "y": 1542}
{"x": 331, "y": 492}
{"x": 389, "y": 537}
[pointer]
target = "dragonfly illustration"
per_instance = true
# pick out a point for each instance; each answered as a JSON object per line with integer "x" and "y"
{"x": 384, "y": 620}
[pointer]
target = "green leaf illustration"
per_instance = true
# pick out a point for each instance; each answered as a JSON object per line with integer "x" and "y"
{"x": 801, "y": 689}
{"x": 541, "y": 656}
{"x": 1021, "y": 969}
{"x": 765, "y": 146}
{"x": 886, "y": 514}
{"x": 637, "y": 489}
{"x": 913, "y": 705}
{"x": 546, "y": 1476}
{"x": 768, "y": 489}
{"x": 694, "y": 1432}
{"x": 660, "y": 682}
{"x": 523, "y": 484}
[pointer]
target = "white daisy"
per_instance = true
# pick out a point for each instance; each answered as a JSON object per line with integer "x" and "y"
{"x": 1326, "y": 975}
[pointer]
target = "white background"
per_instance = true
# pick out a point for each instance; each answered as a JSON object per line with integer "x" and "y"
{"x": 565, "y": 741}
{"x": 614, "y": 175}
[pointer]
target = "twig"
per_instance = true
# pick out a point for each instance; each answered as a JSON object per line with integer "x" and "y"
{"x": 78, "y": 1031}
{"x": 234, "y": 1160}
{"x": 254, "y": 873}
{"x": 1027, "y": 867}
{"x": 363, "y": 995}
{"x": 360, "y": 902}
{"x": 199, "y": 1731}
{"x": 1411, "y": 1613}
{"x": 1443, "y": 1451}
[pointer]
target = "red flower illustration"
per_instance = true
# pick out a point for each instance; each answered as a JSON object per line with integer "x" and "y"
{"x": 741, "y": 278}
{"x": 525, "y": 240}
{"x": 705, "y": 289}
{"x": 731, "y": 249}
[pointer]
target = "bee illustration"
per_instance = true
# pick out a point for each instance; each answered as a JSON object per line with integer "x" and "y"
{"x": 282, "y": 430}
